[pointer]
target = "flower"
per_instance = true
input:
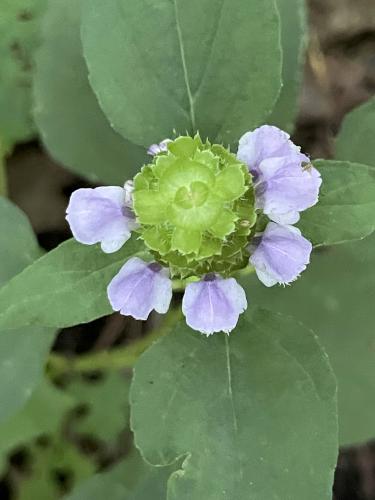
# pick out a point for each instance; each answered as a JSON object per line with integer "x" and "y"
{"x": 283, "y": 187}
{"x": 139, "y": 288}
{"x": 283, "y": 190}
{"x": 281, "y": 254}
{"x": 101, "y": 215}
{"x": 268, "y": 142}
{"x": 198, "y": 209}
{"x": 156, "y": 149}
{"x": 213, "y": 304}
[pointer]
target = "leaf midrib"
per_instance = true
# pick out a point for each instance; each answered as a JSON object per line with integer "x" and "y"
{"x": 184, "y": 66}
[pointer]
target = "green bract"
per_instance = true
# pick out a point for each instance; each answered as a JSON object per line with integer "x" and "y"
{"x": 195, "y": 206}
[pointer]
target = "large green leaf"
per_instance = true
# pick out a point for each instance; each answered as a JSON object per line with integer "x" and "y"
{"x": 293, "y": 33}
{"x": 355, "y": 141}
{"x": 18, "y": 244}
{"x": 65, "y": 287}
{"x": 336, "y": 297}
{"x": 131, "y": 479}
{"x": 253, "y": 414}
{"x": 19, "y": 37}
{"x": 206, "y": 65}
{"x": 22, "y": 352}
{"x": 73, "y": 127}
{"x": 41, "y": 415}
{"x": 346, "y": 208}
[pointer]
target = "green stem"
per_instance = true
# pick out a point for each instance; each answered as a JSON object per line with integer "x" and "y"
{"x": 115, "y": 359}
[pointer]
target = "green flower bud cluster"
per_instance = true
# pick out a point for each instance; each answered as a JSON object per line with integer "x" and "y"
{"x": 195, "y": 207}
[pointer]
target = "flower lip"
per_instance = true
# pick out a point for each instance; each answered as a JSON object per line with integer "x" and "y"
{"x": 268, "y": 142}
{"x": 213, "y": 304}
{"x": 140, "y": 287}
{"x": 101, "y": 215}
{"x": 281, "y": 255}
{"x": 284, "y": 185}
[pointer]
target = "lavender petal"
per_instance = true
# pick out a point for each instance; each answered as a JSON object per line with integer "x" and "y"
{"x": 100, "y": 215}
{"x": 139, "y": 288}
{"x": 283, "y": 189}
{"x": 268, "y": 142}
{"x": 281, "y": 256}
{"x": 213, "y": 304}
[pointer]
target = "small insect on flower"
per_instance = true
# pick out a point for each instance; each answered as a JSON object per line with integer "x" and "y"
{"x": 203, "y": 214}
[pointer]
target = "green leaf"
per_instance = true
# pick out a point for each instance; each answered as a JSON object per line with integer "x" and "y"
{"x": 355, "y": 142}
{"x": 131, "y": 479}
{"x": 19, "y": 37}
{"x": 346, "y": 208}
{"x": 106, "y": 405}
{"x": 59, "y": 456}
{"x": 73, "y": 127}
{"x": 206, "y": 65}
{"x": 66, "y": 287}
{"x": 253, "y": 414}
{"x": 18, "y": 244}
{"x": 293, "y": 40}
{"x": 41, "y": 415}
{"x": 335, "y": 297}
{"x": 22, "y": 352}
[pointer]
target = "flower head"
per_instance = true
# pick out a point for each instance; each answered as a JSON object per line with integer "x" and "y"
{"x": 281, "y": 254}
{"x": 213, "y": 304}
{"x": 101, "y": 215}
{"x": 195, "y": 206}
{"x": 203, "y": 213}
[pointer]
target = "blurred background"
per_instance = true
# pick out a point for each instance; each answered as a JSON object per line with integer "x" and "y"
{"x": 339, "y": 75}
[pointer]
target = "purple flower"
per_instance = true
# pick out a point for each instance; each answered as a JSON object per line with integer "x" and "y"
{"x": 268, "y": 142}
{"x": 139, "y": 288}
{"x": 213, "y": 304}
{"x": 101, "y": 215}
{"x": 283, "y": 187}
{"x": 156, "y": 149}
{"x": 281, "y": 254}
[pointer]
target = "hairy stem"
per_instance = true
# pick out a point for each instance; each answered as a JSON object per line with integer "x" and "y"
{"x": 114, "y": 359}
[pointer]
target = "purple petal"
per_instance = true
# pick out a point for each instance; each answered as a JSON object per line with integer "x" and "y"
{"x": 100, "y": 215}
{"x": 281, "y": 255}
{"x": 268, "y": 142}
{"x": 214, "y": 304}
{"x": 283, "y": 189}
{"x": 139, "y": 288}
{"x": 156, "y": 149}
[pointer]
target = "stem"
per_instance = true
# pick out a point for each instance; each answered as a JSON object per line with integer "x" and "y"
{"x": 115, "y": 359}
